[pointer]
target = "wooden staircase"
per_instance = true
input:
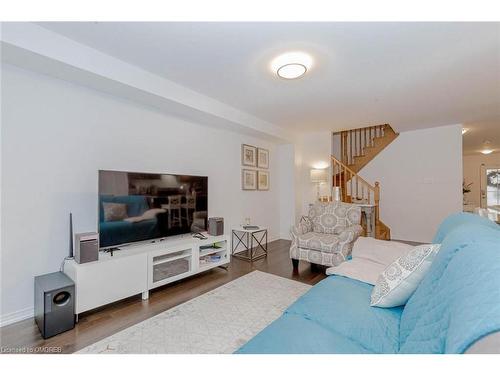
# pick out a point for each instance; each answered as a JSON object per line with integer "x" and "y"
{"x": 357, "y": 148}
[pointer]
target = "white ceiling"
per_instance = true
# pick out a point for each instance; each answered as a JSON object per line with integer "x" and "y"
{"x": 411, "y": 75}
{"x": 479, "y": 133}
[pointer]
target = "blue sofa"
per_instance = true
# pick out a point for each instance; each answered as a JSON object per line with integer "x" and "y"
{"x": 456, "y": 305}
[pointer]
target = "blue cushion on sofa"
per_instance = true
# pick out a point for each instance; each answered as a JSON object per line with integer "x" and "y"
{"x": 343, "y": 305}
{"x": 293, "y": 334}
{"x": 458, "y": 301}
{"x": 340, "y": 308}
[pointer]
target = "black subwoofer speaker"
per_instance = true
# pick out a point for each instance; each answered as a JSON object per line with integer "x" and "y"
{"x": 54, "y": 303}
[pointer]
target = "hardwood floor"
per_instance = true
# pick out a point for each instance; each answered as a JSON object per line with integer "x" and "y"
{"x": 100, "y": 323}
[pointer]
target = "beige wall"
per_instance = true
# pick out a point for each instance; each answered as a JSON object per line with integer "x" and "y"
{"x": 472, "y": 173}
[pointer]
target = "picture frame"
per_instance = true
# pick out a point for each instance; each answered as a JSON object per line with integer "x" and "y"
{"x": 262, "y": 158}
{"x": 248, "y": 155}
{"x": 262, "y": 180}
{"x": 248, "y": 179}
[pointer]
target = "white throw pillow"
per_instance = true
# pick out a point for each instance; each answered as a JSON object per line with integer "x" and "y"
{"x": 401, "y": 278}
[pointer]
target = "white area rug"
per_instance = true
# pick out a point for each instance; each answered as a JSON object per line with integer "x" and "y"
{"x": 219, "y": 321}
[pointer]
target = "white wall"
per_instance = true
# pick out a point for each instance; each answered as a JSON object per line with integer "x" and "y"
{"x": 312, "y": 151}
{"x": 57, "y": 135}
{"x": 472, "y": 173}
{"x": 286, "y": 178}
{"x": 420, "y": 176}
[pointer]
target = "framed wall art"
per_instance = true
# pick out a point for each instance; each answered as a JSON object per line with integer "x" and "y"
{"x": 248, "y": 179}
{"x": 262, "y": 158}
{"x": 248, "y": 155}
{"x": 263, "y": 180}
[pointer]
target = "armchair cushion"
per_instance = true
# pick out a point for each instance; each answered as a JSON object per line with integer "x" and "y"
{"x": 333, "y": 217}
{"x": 327, "y": 243}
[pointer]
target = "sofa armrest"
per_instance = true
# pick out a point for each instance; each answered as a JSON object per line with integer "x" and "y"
{"x": 489, "y": 344}
{"x": 351, "y": 233}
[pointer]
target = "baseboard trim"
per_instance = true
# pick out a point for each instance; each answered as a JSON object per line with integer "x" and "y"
{"x": 16, "y": 316}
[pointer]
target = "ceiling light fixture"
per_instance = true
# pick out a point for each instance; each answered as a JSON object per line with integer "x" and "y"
{"x": 487, "y": 149}
{"x": 291, "y": 65}
{"x": 464, "y": 130}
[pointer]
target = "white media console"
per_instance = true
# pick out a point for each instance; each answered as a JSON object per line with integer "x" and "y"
{"x": 136, "y": 269}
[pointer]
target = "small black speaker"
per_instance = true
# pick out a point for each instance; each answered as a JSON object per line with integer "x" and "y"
{"x": 54, "y": 303}
{"x": 216, "y": 226}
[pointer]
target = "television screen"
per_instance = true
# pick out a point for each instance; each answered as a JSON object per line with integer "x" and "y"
{"x": 145, "y": 206}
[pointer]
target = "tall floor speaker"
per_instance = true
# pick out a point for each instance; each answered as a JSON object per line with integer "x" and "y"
{"x": 54, "y": 303}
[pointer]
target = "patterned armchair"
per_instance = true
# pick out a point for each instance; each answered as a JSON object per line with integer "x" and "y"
{"x": 327, "y": 234}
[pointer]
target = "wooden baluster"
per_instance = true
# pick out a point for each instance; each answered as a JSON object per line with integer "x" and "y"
{"x": 344, "y": 155}
{"x": 360, "y": 151}
{"x": 334, "y": 176}
{"x": 355, "y": 142}
{"x": 350, "y": 147}
{"x": 359, "y": 141}
{"x": 377, "y": 199}
{"x": 357, "y": 190}
{"x": 344, "y": 185}
{"x": 351, "y": 186}
{"x": 343, "y": 148}
{"x": 339, "y": 170}
{"x": 364, "y": 140}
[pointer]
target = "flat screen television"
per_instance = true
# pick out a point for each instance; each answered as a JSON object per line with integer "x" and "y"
{"x": 136, "y": 207}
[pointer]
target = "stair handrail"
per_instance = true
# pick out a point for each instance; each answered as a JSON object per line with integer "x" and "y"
{"x": 342, "y": 168}
{"x": 345, "y": 167}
